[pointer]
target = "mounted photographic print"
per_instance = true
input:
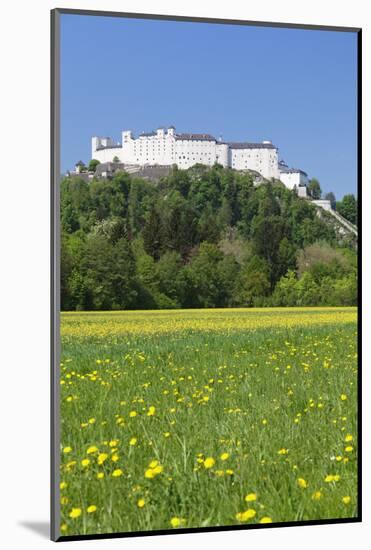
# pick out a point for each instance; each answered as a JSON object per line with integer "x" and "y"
{"x": 205, "y": 188}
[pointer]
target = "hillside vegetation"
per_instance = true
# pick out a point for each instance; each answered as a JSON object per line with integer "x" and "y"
{"x": 199, "y": 238}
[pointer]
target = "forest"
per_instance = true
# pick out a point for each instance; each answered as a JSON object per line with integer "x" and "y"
{"x": 200, "y": 238}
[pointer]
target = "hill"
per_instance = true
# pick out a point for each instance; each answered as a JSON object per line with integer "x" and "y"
{"x": 202, "y": 237}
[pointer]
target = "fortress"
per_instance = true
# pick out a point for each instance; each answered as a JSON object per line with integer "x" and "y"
{"x": 166, "y": 147}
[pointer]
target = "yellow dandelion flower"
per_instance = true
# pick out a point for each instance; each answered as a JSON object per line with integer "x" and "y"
{"x": 250, "y": 497}
{"x": 64, "y": 527}
{"x": 133, "y": 441}
{"x": 266, "y": 519}
{"x": 113, "y": 443}
{"x": 92, "y": 508}
{"x": 141, "y": 503}
{"x": 348, "y": 438}
{"x": 343, "y": 397}
{"x": 303, "y": 484}
{"x": 317, "y": 495}
{"x": 85, "y": 462}
{"x": 91, "y": 420}
{"x": 63, "y": 485}
{"x": 149, "y": 474}
{"x": 64, "y": 500}
{"x": 177, "y": 522}
{"x": 102, "y": 457}
{"x": 283, "y": 451}
{"x": 349, "y": 449}
{"x": 330, "y": 478}
{"x": 67, "y": 450}
{"x": 167, "y": 434}
{"x": 209, "y": 462}
{"x": 132, "y": 414}
{"x": 115, "y": 457}
{"x": 75, "y": 513}
{"x": 246, "y": 515}
{"x": 91, "y": 450}
{"x": 224, "y": 456}
{"x": 117, "y": 473}
{"x": 346, "y": 500}
{"x": 153, "y": 463}
{"x": 151, "y": 411}
{"x": 229, "y": 472}
{"x": 100, "y": 475}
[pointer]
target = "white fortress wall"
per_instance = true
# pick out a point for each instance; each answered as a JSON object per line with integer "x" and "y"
{"x": 222, "y": 154}
{"x": 292, "y": 178}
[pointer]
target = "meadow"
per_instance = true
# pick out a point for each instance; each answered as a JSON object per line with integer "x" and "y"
{"x": 199, "y": 418}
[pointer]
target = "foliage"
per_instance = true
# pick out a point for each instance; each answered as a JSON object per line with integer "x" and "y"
{"x": 314, "y": 189}
{"x": 348, "y": 208}
{"x": 203, "y": 237}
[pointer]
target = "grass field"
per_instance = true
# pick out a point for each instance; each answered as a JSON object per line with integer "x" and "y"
{"x": 198, "y": 418}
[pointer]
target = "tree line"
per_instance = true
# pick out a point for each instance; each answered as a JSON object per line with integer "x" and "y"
{"x": 202, "y": 237}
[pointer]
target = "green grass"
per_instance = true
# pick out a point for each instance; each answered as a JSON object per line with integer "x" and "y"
{"x": 249, "y": 393}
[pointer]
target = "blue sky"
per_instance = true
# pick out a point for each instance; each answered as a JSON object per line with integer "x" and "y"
{"x": 294, "y": 87}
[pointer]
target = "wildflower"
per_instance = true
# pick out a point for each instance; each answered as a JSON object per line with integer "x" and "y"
{"x": 133, "y": 441}
{"x": 67, "y": 450}
{"x": 113, "y": 443}
{"x": 348, "y": 438}
{"x": 132, "y": 414}
{"x": 167, "y": 434}
{"x": 330, "y": 478}
{"x": 102, "y": 457}
{"x": 177, "y": 522}
{"x": 63, "y": 485}
{"x": 100, "y": 475}
{"x": 91, "y": 420}
{"x": 149, "y": 474}
{"x": 91, "y": 450}
{"x": 224, "y": 456}
{"x": 346, "y": 499}
{"x": 151, "y": 411}
{"x": 349, "y": 449}
{"x": 64, "y": 500}
{"x": 209, "y": 462}
{"x": 317, "y": 495}
{"x": 117, "y": 473}
{"x": 141, "y": 503}
{"x": 250, "y": 497}
{"x": 85, "y": 462}
{"x": 92, "y": 508}
{"x": 115, "y": 457}
{"x": 303, "y": 484}
{"x": 343, "y": 397}
{"x": 229, "y": 472}
{"x": 245, "y": 516}
{"x": 153, "y": 463}
{"x": 64, "y": 527}
{"x": 283, "y": 451}
{"x": 266, "y": 519}
{"x": 75, "y": 513}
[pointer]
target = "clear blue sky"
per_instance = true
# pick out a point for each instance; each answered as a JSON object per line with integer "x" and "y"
{"x": 295, "y": 87}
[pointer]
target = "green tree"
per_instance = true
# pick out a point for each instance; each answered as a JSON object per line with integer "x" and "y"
{"x": 314, "y": 189}
{"x": 253, "y": 282}
{"x": 348, "y": 208}
{"x": 92, "y": 166}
